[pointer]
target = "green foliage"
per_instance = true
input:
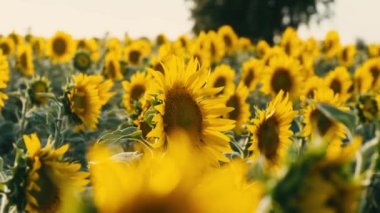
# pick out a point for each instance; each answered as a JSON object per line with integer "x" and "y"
{"x": 257, "y": 19}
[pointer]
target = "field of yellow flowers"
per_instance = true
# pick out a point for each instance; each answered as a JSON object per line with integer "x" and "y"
{"x": 210, "y": 123}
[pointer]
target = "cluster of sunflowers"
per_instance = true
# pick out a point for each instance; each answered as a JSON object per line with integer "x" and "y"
{"x": 212, "y": 123}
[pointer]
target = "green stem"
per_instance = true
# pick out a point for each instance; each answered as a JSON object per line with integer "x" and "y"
{"x": 24, "y": 108}
{"x": 57, "y": 133}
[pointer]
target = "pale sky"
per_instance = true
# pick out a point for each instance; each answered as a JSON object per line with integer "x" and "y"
{"x": 84, "y": 18}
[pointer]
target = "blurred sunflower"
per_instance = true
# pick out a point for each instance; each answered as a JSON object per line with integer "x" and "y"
{"x": 201, "y": 55}
{"x": 271, "y": 131}
{"x": 372, "y": 66}
{"x": 283, "y": 74}
{"x": 4, "y": 78}
{"x": 136, "y": 90}
{"x": 339, "y": 80}
{"x": 25, "y": 60}
{"x": 374, "y": 50}
{"x": 229, "y": 38}
{"x": 183, "y": 42}
{"x": 311, "y": 85}
{"x": 7, "y": 46}
{"x": 188, "y": 106}
{"x": 91, "y": 46}
{"x": 331, "y": 45}
{"x": 136, "y": 51}
{"x": 16, "y": 38}
{"x": 161, "y": 39}
{"x": 245, "y": 45}
{"x": 240, "y": 113}
{"x": 317, "y": 124}
{"x": 39, "y": 46}
{"x": 51, "y": 182}
{"x": 362, "y": 81}
{"x": 215, "y": 46}
{"x": 347, "y": 55}
{"x": 251, "y": 73}
{"x": 290, "y": 42}
{"x": 82, "y": 61}
{"x": 223, "y": 76}
{"x": 61, "y": 47}
{"x": 86, "y": 98}
{"x": 39, "y": 85}
{"x": 112, "y": 68}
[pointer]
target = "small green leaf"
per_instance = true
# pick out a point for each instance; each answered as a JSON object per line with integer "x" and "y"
{"x": 117, "y": 135}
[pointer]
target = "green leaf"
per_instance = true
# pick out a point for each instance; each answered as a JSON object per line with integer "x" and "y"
{"x": 117, "y": 135}
{"x": 346, "y": 118}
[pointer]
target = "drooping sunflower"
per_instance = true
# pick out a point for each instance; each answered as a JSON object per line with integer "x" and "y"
{"x": 347, "y": 55}
{"x": 7, "y": 46}
{"x": 261, "y": 48}
{"x": 39, "y": 85}
{"x": 25, "y": 60}
{"x": 223, "y": 76}
{"x": 4, "y": 78}
{"x": 271, "y": 131}
{"x": 86, "y": 98}
{"x": 251, "y": 73}
{"x": 188, "y": 106}
{"x": 339, "y": 80}
{"x": 112, "y": 68}
{"x": 317, "y": 124}
{"x": 331, "y": 45}
{"x": 61, "y": 47}
{"x": 229, "y": 37}
{"x": 51, "y": 182}
{"x": 283, "y": 73}
{"x": 362, "y": 81}
{"x": 136, "y": 90}
{"x": 240, "y": 114}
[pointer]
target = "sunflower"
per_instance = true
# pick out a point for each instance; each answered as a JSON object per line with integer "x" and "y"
{"x": 214, "y": 46}
{"x": 201, "y": 55}
{"x": 223, "y": 76}
{"x": 161, "y": 39}
{"x": 339, "y": 80}
{"x": 229, "y": 37}
{"x": 262, "y": 48}
{"x": 362, "y": 81}
{"x": 183, "y": 42}
{"x": 50, "y": 178}
{"x": 271, "y": 131}
{"x": 290, "y": 42}
{"x": 347, "y": 55}
{"x": 331, "y": 45}
{"x": 372, "y": 66}
{"x": 91, "y": 46}
{"x": 251, "y": 73}
{"x": 39, "y": 46}
{"x": 170, "y": 183}
{"x": 273, "y": 52}
{"x": 16, "y": 38}
{"x": 86, "y": 98}
{"x": 374, "y": 50}
{"x": 61, "y": 47}
{"x": 112, "y": 68}
{"x": 245, "y": 44}
{"x": 312, "y": 84}
{"x": 311, "y": 47}
{"x": 240, "y": 114}
{"x": 36, "y": 86}
{"x": 317, "y": 124}
{"x": 136, "y": 51}
{"x": 283, "y": 74}
{"x": 136, "y": 90}
{"x": 82, "y": 61}
{"x": 307, "y": 65}
{"x": 25, "y": 60}
{"x": 7, "y": 46}
{"x": 188, "y": 106}
{"x": 4, "y": 78}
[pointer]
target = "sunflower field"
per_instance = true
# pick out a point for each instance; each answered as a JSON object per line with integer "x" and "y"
{"x": 207, "y": 123}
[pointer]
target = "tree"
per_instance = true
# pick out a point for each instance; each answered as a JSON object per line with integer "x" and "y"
{"x": 257, "y": 19}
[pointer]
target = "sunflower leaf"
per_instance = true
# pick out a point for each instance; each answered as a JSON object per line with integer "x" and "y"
{"x": 117, "y": 135}
{"x": 346, "y": 118}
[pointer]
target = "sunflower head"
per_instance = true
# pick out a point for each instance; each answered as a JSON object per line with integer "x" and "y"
{"x": 7, "y": 46}
{"x": 362, "y": 81}
{"x": 347, "y": 55}
{"x": 188, "y": 107}
{"x": 4, "y": 78}
{"x": 135, "y": 52}
{"x": 25, "y": 60}
{"x": 82, "y": 61}
{"x": 50, "y": 179}
{"x": 229, "y": 37}
{"x": 61, "y": 47}
{"x": 283, "y": 74}
{"x": 271, "y": 131}
{"x": 112, "y": 68}
{"x": 339, "y": 80}
{"x": 136, "y": 91}
{"x": 39, "y": 85}
{"x": 262, "y": 48}
{"x": 223, "y": 77}
{"x": 214, "y": 46}
{"x": 372, "y": 66}
{"x": 331, "y": 45}
{"x": 240, "y": 113}
{"x": 252, "y": 73}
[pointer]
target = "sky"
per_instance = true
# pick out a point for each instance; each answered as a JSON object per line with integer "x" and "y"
{"x": 85, "y": 18}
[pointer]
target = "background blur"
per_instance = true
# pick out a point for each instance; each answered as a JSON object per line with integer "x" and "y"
{"x": 352, "y": 18}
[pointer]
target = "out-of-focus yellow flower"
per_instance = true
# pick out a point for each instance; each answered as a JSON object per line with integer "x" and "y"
{"x": 252, "y": 72}
{"x": 229, "y": 37}
{"x": 347, "y": 55}
{"x": 7, "y": 46}
{"x": 331, "y": 45}
{"x": 223, "y": 77}
{"x": 61, "y": 47}
{"x": 36, "y": 86}
{"x": 339, "y": 80}
{"x": 136, "y": 90}
{"x": 4, "y": 78}
{"x": 240, "y": 114}
{"x": 25, "y": 60}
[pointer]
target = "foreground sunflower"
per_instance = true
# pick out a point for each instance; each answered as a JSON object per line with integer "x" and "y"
{"x": 61, "y": 47}
{"x": 188, "y": 106}
{"x": 4, "y": 78}
{"x": 52, "y": 182}
{"x": 25, "y": 60}
{"x": 283, "y": 74}
{"x": 271, "y": 131}
{"x": 86, "y": 98}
